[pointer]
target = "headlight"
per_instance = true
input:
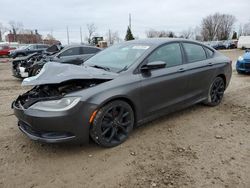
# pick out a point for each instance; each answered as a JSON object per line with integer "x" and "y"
{"x": 56, "y": 105}
{"x": 240, "y": 58}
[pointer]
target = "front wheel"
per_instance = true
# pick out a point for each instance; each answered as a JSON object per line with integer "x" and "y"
{"x": 216, "y": 92}
{"x": 112, "y": 124}
{"x": 36, "y": 71}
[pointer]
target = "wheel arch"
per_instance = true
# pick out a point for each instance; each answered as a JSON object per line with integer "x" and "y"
{"x": 125, "y": 99}
{"x": 223, "y": 77}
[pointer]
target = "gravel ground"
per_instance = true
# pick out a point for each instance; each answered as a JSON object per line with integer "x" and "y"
{"x": 197, "y": 147}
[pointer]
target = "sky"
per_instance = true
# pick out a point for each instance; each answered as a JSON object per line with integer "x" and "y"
{"x": 53, "y": 16}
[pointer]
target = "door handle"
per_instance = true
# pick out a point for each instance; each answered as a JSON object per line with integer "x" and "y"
{"x": 181, "y": 70}
{"x": 210, "y": 64}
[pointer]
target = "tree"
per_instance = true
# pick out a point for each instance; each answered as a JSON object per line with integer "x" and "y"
{"x": 159, "y": 34}
{"x": 217, "y": 26}
{"x": 225, "y": 27}
{"x": 187, "y": 34}
{"x": 246, "y": 29}
{"x": 91, "y": 30}
{"x": 129, "y": 35}
{"x": 112, "y": 37}
{"x": 156, "y": 34}
{"x": 171, "y": 34}
{"x": 2, "y": 30}
{"x": 234, "y": 35}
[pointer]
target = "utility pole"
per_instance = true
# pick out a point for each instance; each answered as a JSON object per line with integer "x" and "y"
{"x": 68, "y": 34}
{"x": 130, "y": 21}
{"x": 81, "y": 34}
{"x": 109, "y": 37}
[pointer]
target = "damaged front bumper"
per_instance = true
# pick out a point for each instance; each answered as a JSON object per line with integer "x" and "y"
{"x": 55, "y": 127}
{"x": 23, "y": 72}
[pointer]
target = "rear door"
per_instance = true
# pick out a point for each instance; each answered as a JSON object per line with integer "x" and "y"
{"x": 199, "y": 68}
{"x": 163, "y": 89}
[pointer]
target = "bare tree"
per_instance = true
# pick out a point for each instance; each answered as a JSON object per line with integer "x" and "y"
{"x": 187, "y": 34}
{"x": 217, "y": 26}
{"x": 91, "y": 30}
{"x": 209, "y": 26}
{"x": 246, "y": 29}
{"x": 226, "y": 26}
{"x": 2, "y": 30}
{"x": 113, "y": 37}
{"x": 158, "y": 34}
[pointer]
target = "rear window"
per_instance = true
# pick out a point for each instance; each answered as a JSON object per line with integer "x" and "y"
{"x": 194, "y": 52}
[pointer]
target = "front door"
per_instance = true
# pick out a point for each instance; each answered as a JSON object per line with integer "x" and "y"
{"x": 164, "y": 88}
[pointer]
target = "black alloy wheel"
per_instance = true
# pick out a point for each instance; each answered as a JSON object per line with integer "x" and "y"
{"x": 112, "y": 124}
{"x": 216, "y": 92}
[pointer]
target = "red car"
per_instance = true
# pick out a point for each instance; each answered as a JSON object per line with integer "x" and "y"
{"x": 5, "y": 50}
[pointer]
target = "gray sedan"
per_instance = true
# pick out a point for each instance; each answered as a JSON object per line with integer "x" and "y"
{"x": 120, "y": 88}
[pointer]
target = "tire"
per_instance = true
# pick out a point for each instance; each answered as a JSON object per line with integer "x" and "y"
{"x": 36, "y": 71}
{"x": 112, "y": 124}
{"x": 240, "y": 72}
{"x": 216, "y": 92}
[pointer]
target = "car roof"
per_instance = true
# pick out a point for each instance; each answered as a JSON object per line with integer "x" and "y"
{"x": 158, "y": 41}
{"x": 79, "y": 45}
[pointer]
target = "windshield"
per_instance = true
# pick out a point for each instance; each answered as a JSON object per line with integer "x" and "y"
{"x": 118, "y": 57}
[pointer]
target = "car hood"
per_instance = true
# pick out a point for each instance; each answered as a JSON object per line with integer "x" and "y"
{"x": 26, "y": 57}
{"x": 55, "y": 73}
{"x": 246, "y": 56}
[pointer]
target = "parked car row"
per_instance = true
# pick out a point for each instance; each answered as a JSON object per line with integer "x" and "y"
{"x": 222, "y": 45}
{"x": 32, "y": 64}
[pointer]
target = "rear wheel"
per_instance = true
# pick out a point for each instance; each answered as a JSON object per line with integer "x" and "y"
{"x": 112, "y": 124}
{"x": 216, "y": 92}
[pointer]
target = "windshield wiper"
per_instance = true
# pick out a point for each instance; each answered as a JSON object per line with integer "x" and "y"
{"x": 123, "y": 69}
{"x": 101, "y": 67}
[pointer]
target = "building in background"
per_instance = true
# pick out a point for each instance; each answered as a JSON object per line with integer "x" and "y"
{"x": 29, "y": 37}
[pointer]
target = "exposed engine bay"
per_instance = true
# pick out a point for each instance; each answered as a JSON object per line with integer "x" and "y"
{"x": 54, "y": 91}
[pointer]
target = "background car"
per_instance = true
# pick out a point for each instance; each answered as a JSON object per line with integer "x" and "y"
{"x": 243, "y": 63}
{"x": 218, "y": 45}
{"x": 5, "y": 50}
{"x": 119, "y": 88}
{"x": 244, "y": 42}
{"x": 32, "y": 65}
{"x": 230, "y": 44}
{"x": 30, "y": 49}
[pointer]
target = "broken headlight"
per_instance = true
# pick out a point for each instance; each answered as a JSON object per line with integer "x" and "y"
{"x": 56, "y": 105}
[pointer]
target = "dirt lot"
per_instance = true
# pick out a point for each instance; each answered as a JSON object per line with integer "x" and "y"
{"x": 197, "y": 147}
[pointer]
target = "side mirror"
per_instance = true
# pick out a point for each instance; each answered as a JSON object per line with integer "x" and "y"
{"x": 153, "y": 65}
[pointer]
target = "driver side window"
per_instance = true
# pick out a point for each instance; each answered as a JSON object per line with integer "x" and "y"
{"x": 170, "y": 54}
